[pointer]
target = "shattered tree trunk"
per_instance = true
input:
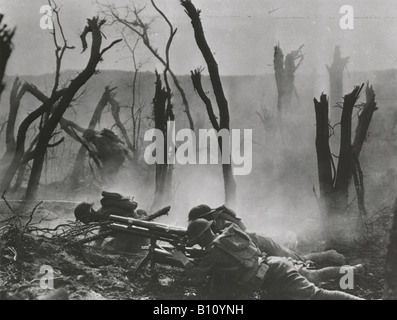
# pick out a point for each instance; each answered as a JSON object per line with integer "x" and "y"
{"x": 284, "y": 72}
{"x": 78, "y": 168}
{"x": 344, "y": 168}
{"x": 336, "y": 82}
{"x": 324, "y": 156}
{"x": 18, "y": 90}
{"x": 334, "y": 182}
{"x": 115, "y": 108}
{"x": 364, "y": 120}
{"x": 20, "y": 157}
{"x": 6, "y": 36}
{"x": 93, "y": 27}
{"x": 163, "y": 179}
{"x": 390, "y": 289}
{"x": 21, "y": 138}
{"x": 224, "y": 117}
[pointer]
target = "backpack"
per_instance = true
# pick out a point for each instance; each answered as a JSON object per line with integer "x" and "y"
{"x": 116, "y": 200}
{"x": 238, "y": 244}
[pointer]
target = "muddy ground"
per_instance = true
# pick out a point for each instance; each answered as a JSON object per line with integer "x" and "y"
{"x": 88, "y": 273}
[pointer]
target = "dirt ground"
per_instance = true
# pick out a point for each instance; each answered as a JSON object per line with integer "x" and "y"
{"x": 87, "y": 273}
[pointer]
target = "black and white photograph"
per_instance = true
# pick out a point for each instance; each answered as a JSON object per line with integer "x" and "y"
{"x": 209, "y": 152}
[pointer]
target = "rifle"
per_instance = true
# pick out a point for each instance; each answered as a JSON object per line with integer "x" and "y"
{"x": 156, "y": 232}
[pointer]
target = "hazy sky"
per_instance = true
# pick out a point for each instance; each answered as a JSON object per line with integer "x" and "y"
{"x": 242, "y": 34}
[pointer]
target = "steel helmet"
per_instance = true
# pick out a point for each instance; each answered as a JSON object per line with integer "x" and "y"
{"x": 196, "y": 228}
{"x": 82, "y": 211}
{"x": 199, "y": 212}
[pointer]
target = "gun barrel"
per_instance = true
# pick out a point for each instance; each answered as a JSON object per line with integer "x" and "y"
{"x": 151, "y": 226}
{"x": 146, "y": 233}
{"x": 157, "y": 214}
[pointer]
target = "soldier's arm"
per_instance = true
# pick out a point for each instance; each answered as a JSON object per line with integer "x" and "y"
{"x": 199, "y": 272}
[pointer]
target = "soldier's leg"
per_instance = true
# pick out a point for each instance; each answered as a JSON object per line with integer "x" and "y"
{"x": 329, "y": 273}
{"x": 271, "y": 248}
{"x": 284, "y": 281}
{"x": 330, "y": 258}
{"x": 323, "y": 294}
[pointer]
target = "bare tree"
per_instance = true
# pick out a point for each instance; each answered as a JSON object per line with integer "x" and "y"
{"x": 132, "y": 21}
{"x": 224, "y": 117}
{"x": 19, "y": 88}
{"x": 335, "y": 72}
{"x": 20, "y": 157}
{"x": 334, "y": 181}
{"x": 162, "y": 111}
{"x": 115, "y": 108}
{"x": 266, "y": 118}
{"x": 6, "y": 47}
{"x": 21, "y": 138}
{"x": 284, "y": 71}
{"x": 94, "y": 27}
{"x": 137, "y": 104}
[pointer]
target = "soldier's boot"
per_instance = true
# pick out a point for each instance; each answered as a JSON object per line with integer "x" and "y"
{"x": 330, "y": 258}
{"x": 323, "y": 294}
{"x": 329, "y": 273}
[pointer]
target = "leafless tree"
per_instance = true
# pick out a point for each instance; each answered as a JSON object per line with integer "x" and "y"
{"x": 19, "y": 88}
{"x": 284, "y": 71}
{"x": 224, "y": 117}
{"x": 335, "y": 72}
{"x": 132, "y": 21}
{"x": 137, "y": 105}
{"x": 93, "y": 26}
{"x": 162, "y": 111}
{"x": 6, "y": 47}
{"x": 334, "y": 181}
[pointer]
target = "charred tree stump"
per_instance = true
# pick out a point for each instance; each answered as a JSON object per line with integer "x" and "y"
{"x": 324, "y": 156}
{"x": 224, "y": 117}
{"x": 390, "y": 289}
{"x": 6, "y": 47}
{"x": 344, "y": 169}
{"x": 334, "y": 182}
{"x": 284, "y": 72}
{"x": 364, "y": 119}
{"x": 162, "y": 110}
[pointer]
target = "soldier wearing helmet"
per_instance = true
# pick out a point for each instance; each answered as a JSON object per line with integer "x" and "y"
{"x": 223, "y": 217}
{"x": 112, "y": 203}
{"x": 233, "y": 254}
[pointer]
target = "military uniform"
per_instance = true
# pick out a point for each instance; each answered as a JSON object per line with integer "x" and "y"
{"x": 233, "y": 255}
{"x": 109, "y": 149}
{"x": 223, "y": 216}
{"x": 116, "y": 204}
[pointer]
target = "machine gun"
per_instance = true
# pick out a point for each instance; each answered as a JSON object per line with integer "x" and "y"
{"x": 110, "y": 232}
{"x": 156, "y": 232}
